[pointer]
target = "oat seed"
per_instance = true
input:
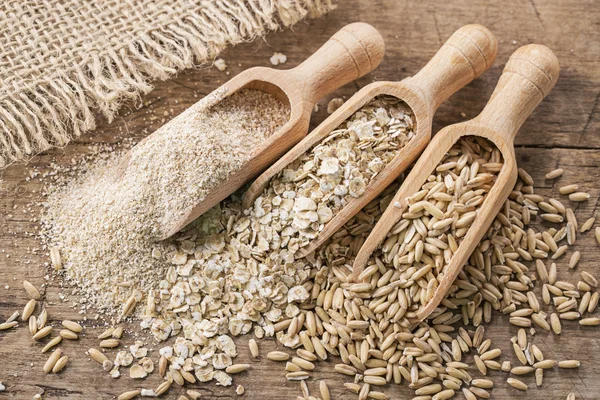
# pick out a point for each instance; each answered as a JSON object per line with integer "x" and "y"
{"x": 68, "y": 334}
{"x": 324, "y": 390}
{"x": 237, "y": 368}
{"x": 42, "y": 333}
{"x": 569, "y": 364}
{"x": 574, "y": 259}
{"x": 72, "y": 326}
{"x": 539, "y": 377}
{"x": 52, "y": 343}
{"x": 55, "y": 258}
{"x": 28, "y": 310}
{"x": 253, "y": 346}
{"x": 517, "y": 384}
{"x": 587, "y": 225}
{"x": 163, "y": 388}
{"x": 31, "y": 290}
{"x": 554, "y": 173}
{"x": 297, "y": 376}
{"x": 107, "y": 333}
{"x": 568, "y": 189}
{"x": 60, "y": 364}
{"x": 579, "y": 196}
{"x": 592, "y": 321}
{"x": 545, "y": 364}
{"x": 129, "y": 395}
{"x": 97, "y": 356}
{"x": 109, "y": 343}
{"x": 278, "y": 356}
{"x": 7, "y": 325}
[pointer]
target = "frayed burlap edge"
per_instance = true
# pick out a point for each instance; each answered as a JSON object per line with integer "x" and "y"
{"x": 60, "y": 107}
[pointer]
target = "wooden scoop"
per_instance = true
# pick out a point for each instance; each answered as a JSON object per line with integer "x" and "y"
{"x": 528, "y": 77}
{"x": 352, "y": 52}
{"x": 466, "y": 54}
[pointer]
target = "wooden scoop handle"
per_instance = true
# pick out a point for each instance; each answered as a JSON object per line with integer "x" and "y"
{"x": 528, "y": 77}
{"x": 352, "y": 52}
{"x": 469, "y": 52}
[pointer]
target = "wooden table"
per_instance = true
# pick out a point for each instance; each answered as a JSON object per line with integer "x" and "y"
{"x": 562, "y": 132}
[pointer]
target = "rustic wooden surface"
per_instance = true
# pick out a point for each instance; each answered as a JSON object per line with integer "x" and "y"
{"x": 562, "y": 132}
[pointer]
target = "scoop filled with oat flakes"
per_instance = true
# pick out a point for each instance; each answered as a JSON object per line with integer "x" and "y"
{"x": 392, "y": 119}
{"x": 455, "y": 190}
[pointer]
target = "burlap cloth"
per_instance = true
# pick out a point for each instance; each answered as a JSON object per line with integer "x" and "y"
{"x": 60, "y": 60}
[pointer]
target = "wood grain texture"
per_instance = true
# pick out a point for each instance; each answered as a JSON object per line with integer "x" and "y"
{"x": 561, "y": 132}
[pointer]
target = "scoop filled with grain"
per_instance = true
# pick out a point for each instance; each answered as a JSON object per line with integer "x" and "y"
{"x": 458, "y": 186}
{"x": 395, "y": 121}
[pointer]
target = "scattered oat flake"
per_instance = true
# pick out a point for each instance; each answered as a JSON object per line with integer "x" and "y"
{"x": 334, "y": 104}
{"x": 220, "y": 64}
{"x": 278, "y": 58}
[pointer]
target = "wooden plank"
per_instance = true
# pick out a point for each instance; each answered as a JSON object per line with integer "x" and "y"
{"x": 561, "y": 132}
